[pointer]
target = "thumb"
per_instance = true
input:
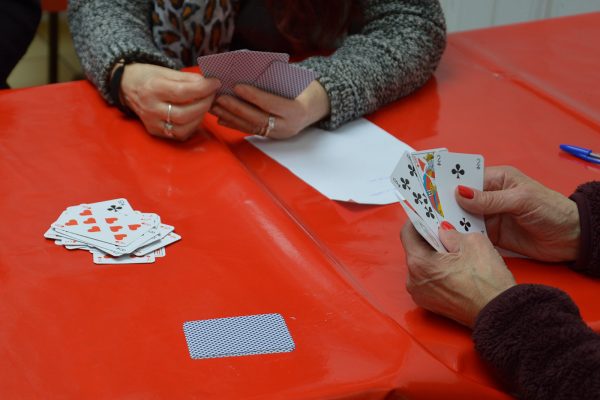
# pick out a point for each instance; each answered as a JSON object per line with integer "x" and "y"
{"x": 485, "y": 203}
{"x": 450, "y": 237}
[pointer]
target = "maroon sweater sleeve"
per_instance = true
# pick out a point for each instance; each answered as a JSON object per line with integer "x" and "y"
{"x": 587, "y": 197}
{"x": 534, "y": 336}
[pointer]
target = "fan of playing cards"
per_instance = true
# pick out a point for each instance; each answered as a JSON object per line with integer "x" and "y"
{"x": 425, "y": 182}
{"x": 264, "y": 70}
{"x": 113, "y": 232}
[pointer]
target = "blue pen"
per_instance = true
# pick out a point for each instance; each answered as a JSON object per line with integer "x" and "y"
{"x": 584, "y": 154}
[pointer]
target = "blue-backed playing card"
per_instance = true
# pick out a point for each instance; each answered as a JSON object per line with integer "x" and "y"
{"x": 238, "y": 336}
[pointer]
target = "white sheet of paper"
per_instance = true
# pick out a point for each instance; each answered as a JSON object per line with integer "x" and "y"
{"x": 352, "y": 163}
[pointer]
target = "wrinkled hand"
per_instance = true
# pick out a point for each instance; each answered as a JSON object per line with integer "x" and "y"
{"x": 524, "y": 216}
{"x": 250, "y": 113}
{"x": 149, "y": 89}
{"x": 457, "y": 284}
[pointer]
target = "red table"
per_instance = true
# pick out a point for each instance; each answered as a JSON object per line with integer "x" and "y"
{"x": 258, "y": 240}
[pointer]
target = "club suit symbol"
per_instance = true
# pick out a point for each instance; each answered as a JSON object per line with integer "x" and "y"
{"x": 418, "y": 198}
{"x": 465, "y": 224}
{"x": 458, "y": 171}
{"x": 412, "y": 171}
{"x": 429, "y": 212}
{"x": 405, "y": 183}
{"x": 114, "y": 208}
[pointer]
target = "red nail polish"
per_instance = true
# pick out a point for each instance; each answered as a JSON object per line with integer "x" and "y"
{"x": 447, "y": 226}
{"x": 466, "y": 192}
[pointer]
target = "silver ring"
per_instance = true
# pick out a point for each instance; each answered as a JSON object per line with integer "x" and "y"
{"x": 169, "y": 114}
{"x": 168, "y": 129}
{"x": 270, "y": 125}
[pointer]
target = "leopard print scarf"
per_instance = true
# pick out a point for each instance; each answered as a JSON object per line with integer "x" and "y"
{"x": 186, "y": 29}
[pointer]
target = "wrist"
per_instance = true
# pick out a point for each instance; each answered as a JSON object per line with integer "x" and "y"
{"x": 572, "y": 232}
{"x": 315, "y": 102}
{"x": 116, "y": 87}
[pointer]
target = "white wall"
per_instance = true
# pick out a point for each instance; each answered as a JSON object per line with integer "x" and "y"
{"x": 471, "y": 14}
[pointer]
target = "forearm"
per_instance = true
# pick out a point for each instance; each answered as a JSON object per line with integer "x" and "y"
{"x": 105, "y": 31}
{"x": 535, "y": 337}
{"x": 395, "y": 53}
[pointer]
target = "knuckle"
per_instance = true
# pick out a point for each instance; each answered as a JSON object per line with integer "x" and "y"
{"x": 178, "y": 90}
{"x": 476, "y": 240}
{"x": 149, "y": 86}
{"x": 511, "y": 170}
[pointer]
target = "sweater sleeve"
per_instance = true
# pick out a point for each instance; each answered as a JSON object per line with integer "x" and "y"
{"x": 587, "y": 197}
{"x": 536, "y": 338}
{"x": 106, "y": 30}
{"x": 395, "y": 53}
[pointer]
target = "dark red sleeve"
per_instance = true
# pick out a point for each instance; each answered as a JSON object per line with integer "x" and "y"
{"x": 534, "y": 336}
{"x": 587, "y": 197}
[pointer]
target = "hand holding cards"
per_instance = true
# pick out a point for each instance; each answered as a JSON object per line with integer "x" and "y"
{"x": 113, "y": 232}
{"x": 425, "y": 182}
{"x": 264, "y": 70}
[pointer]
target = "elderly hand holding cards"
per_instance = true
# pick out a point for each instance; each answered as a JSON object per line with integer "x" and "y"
{"x": 521, "y": 216}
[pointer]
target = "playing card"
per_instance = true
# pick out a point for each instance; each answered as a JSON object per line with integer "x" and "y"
{"x": 286, "y": 80}
{"x": 171, "y": 237}
{"x": 159, "y": 252}
{"x": 51, "y": 234}
{"x": 406, "y": 181}
{"x": 147, "y": 226}
{"x": 101, "y": 258}
{"x": 238, "y": 336}
{"x": 249, "y": 65}
{"x": 421, "y": 227}
{"x": 118, "y": 231}
{"x": 423, "y": 162}
{"x": 77, "y": 247}
{"x": 234, "y": 67}
{"x": 112, "y": 222}
{"x": 453, "y": 169}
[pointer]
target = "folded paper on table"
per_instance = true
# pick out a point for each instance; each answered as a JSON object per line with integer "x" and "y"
{"x": 352, "y": 163}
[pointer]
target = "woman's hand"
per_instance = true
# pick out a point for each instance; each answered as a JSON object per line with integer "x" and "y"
{"x": 251, "y": 113}
{"x": 149, "y": 89}
{"x": 524, "y": 216}
{"x": 457, "y": 284}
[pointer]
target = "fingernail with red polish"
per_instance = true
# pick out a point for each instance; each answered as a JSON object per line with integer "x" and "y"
{"x": 447, "y": 226}
{"x": 466, "y": 192}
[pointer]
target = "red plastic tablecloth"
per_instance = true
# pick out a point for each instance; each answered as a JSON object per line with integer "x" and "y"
{"x": 258, "y": 240}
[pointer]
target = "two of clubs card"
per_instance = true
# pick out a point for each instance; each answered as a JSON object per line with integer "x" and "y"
{"x": 113, "y": 232}
{"x": 268, "y": 71}
{"x": 425, "y": 183}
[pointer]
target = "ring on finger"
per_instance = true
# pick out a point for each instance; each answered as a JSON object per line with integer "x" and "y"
{"x": 270, "y": 125}
{"x": 259, "y": 130}
{"x": 169, "y": 108}
{"x": 168, "y": 129}
{"x": 168, "y": 126}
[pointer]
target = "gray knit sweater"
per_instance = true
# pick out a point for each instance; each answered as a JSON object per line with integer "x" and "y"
{"x": 395, "y": 52}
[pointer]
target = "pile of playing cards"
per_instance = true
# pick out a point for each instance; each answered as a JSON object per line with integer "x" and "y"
{"x": 113, "y": 232}
{"x": 264, "y": 70}
{"x": 426, "y": 182}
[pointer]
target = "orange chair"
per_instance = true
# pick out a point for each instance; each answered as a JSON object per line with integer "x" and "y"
{"x": 53, "y": 7}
